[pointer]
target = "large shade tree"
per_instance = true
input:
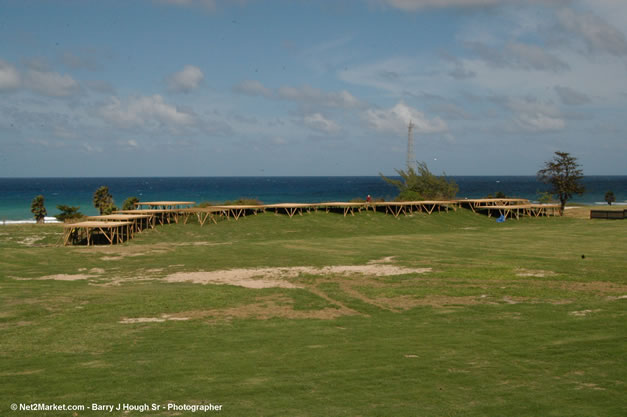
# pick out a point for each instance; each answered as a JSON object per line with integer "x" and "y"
{"x": 564, "y": 175}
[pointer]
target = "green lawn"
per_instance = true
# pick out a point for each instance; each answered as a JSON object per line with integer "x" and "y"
{"x": 525, "y": 318}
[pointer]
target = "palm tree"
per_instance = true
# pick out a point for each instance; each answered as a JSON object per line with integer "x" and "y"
{"x": 103, "y": 200}
{"x": 38, "y": 209}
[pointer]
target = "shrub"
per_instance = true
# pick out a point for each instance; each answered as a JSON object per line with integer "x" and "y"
{"x": 129, "y": 203}
{"x": 610, "y": 197}
{"x": 243, "y": 202}
{"x": 422, "y": 185}
{"x": 68, "y": 213}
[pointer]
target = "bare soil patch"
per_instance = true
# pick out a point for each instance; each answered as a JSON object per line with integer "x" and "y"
{"x": 162, "y": 318}
{"x": 277, "y": 277}
{"x": 263, "y": 309}
{"x": 30, "y": 240}
{"x": 58, "y": 277}
{"x": 534, "y": 273}
{"x": 583, "y": 313}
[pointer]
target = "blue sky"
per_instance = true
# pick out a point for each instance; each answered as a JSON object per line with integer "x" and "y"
{"x": 236, "y": 87}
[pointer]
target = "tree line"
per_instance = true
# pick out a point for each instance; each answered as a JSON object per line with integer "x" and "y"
{"x": 102, "y": 200}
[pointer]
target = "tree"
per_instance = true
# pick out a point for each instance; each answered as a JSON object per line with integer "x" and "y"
{"x": 68, "y": 213}
{"x": 38, "y": 209}
{"x": 610, "y": 197}
{"x": 564, "y": 174}
{"x": 129, "y": 203}
{"x": 545, "y": 198}
{"x": 422, "y": 185}
{"x": 103, "y": 200}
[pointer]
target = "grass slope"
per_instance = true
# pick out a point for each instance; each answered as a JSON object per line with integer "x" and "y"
{"x": 511, "y": 320}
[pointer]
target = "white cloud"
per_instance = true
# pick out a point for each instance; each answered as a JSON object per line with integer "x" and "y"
{"x": 304, "y": 94}
{"x": 208, "y": 4}
{"x": 278, "y": 140}
{"x": 253, "y": 88}
{"x": 571, "y": 97}
{"x": 311, "y": 95}
{"x": 597, "y": 34}
{"x": 51, "y": 84}
{"x": 416, "y": 5}
{"x": 318, "y": 122}
{"x": 9, "y": 76}
{"x": 186, "y": 80}
{"x": 518, "y": 55}
{"x": 88, "y": 60}
{"x": 144, "y": 111}
{"x": 534, "y": 57}
{"x": 413, "y": 5}
{"x": 535, "y": 116}
{"x": 398, "y": 117}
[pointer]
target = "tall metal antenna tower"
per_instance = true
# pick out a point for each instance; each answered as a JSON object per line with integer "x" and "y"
{"x": 411, "y": 158}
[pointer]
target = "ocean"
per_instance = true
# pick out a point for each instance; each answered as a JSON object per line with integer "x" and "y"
{"x": 16, "y": 194}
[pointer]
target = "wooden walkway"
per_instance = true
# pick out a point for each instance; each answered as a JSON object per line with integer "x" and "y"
{"x": 139, "y": 221}
{"x": 531, "y": 210}
{"x": 122, "y": 225}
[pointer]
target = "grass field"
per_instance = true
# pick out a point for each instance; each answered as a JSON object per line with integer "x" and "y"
{"x": 444, "y": 315}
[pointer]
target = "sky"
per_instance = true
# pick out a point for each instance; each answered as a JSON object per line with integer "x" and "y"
{"x": 326, "y": 87}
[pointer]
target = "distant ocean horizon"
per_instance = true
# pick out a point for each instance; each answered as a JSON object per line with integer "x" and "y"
{"x": 16, "y": 194}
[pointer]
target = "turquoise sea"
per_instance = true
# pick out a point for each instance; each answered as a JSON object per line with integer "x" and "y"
{"x": 16, "y": 194}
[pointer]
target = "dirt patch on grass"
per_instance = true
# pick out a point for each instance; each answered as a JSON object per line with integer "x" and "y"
{"x": 621, "y": 297}
{"x": 264, "y": 308}
{"x": 278, "y": 277}
{"x": 589, "y": 385}
{"x": 248, "y": 278}
{"x": 18, "y": 373}
{"x": 601, "y": 287}
{"x": 201, "y": 243}
{"x": 385, "y": 260}
{"x": 534, "y": 273}
{"x": 408, "y": 302}
{"x": 270, "y": 309}
{"x": 30, "y": 240}
{"x": 583, "y": 313}
{"x": 58, "y": 277}
{"x": 162, "y": 318}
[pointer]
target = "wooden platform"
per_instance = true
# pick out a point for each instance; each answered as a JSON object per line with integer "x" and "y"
{"x": 517, "y": 210}
{"x": 473, "y": 203}
{"x": 236, "y": 211}
{"x": 165, "y": 204}
{"x": 160, "y": 216}
{"x": 396, "y": 208}
{"x": 202, "y": 214}
{"x": 121, "y": 225}
{"x": 113, "y": 231}
{"x": 290, "y": 208}
{"x": 139, "y": 221}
